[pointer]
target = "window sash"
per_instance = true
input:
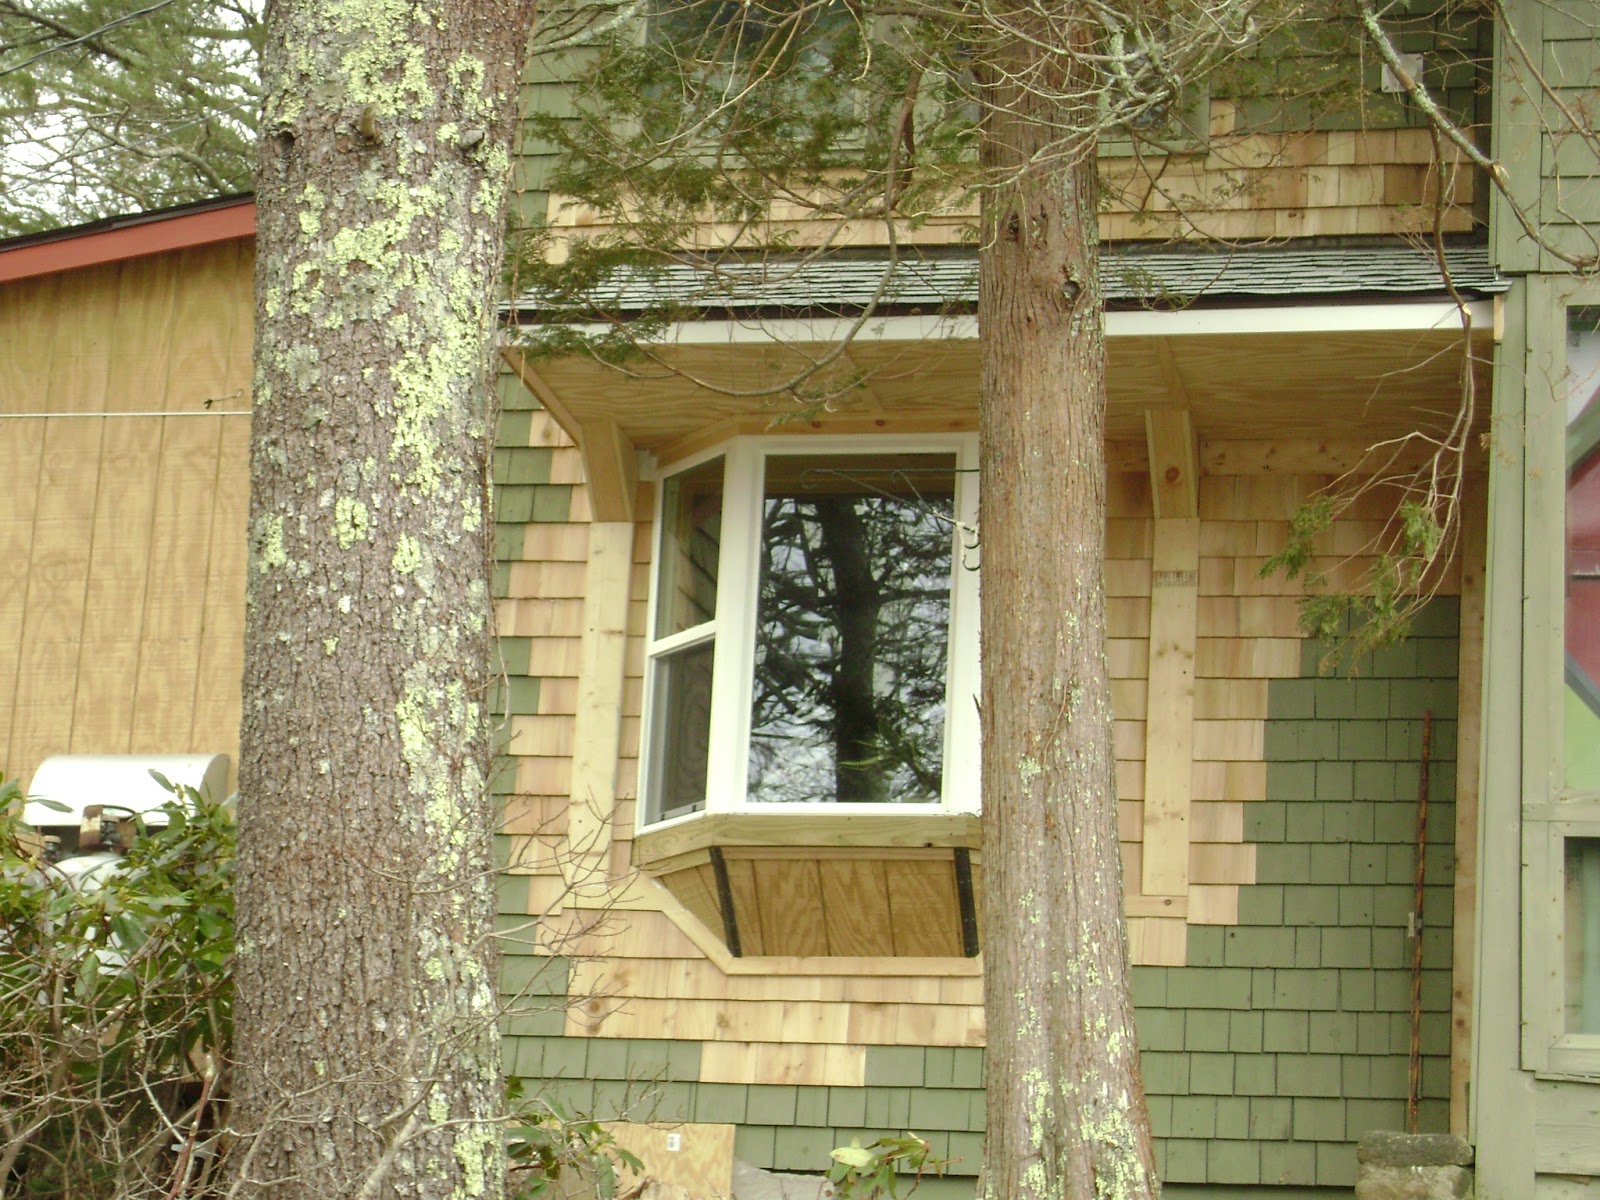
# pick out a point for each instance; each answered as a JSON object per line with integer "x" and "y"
{"x": 734, "y": 629}
{"x": 1560, "y": 809}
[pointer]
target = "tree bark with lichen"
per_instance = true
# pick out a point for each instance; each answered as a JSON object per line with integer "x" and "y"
{"x": 367, "y": 1056}
{"x": 1067, "y": 1119}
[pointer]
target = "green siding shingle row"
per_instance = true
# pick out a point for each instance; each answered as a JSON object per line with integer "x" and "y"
{"x": 1286, "y": 1036}
{"x": 935, "y": 1091}
{"x": 1283, "y": 1039}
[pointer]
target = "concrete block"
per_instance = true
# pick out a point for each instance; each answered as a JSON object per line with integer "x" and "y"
{"x": 1413, "y": 1183}
{"x": 753, "y": 1183}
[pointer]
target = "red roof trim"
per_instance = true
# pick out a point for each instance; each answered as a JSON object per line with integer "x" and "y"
{"x": 97, "y": 246}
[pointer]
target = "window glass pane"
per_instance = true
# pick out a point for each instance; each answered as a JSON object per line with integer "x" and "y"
{"x": 691, "y": 537}
{"x": 682, "y": 730}
{"x": 747, "y": 32}
{"x": 1582, "y": 940}
{"x": 1582, "y": 616}
{"x": 852, "y": 629}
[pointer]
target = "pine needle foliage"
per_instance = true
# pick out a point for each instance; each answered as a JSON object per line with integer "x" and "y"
{"x": 115, "y": 106}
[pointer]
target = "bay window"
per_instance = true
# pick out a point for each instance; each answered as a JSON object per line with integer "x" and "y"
{"x": 813, "y": 630}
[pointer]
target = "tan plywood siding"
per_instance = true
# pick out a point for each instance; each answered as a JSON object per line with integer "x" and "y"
{"x": 124, "y": 428}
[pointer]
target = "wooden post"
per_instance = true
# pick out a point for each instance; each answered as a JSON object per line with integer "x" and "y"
{"x": 1174, "y": 602}
{"x": 611, "y": 473}
{"x": 596, "y": 734}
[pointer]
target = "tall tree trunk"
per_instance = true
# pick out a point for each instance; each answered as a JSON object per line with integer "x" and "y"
{"x": 366, "y": 1040}
{"x": 1067, "y": 1117}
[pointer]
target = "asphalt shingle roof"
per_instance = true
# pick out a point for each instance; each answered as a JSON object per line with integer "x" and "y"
{"x": 1170, "y": 276}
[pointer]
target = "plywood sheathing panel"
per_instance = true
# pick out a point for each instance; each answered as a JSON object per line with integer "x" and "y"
{"x": 125, "y": 632}
{"x": 695, "y": 1160}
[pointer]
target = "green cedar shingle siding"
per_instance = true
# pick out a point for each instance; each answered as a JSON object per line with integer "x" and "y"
{"x": 1265, "y": 1058}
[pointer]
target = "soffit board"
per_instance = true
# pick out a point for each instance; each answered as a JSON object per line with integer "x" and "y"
{"x": 1353, "y": 384}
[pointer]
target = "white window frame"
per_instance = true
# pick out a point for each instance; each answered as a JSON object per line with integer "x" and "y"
{"x": 1552, "y": 812}
{"x": 732, "y": 629}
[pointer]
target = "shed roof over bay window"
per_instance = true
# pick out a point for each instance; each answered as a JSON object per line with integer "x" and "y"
{"x": 808, "y": 777}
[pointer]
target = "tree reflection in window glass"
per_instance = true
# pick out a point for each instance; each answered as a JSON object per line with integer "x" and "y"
{"x": 852, "y": 629}
{"x": 746, "y": 33}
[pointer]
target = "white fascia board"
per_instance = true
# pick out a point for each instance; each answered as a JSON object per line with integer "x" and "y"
{"x": 1419, "y": 316}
